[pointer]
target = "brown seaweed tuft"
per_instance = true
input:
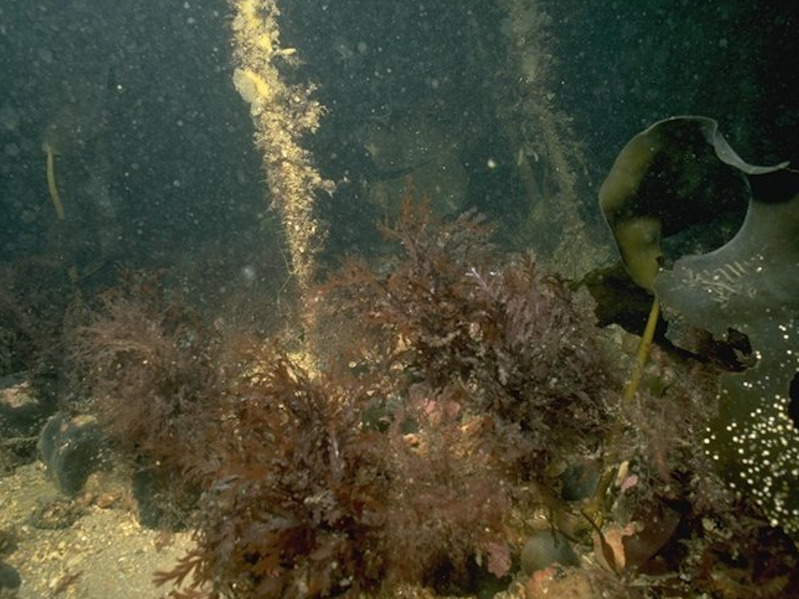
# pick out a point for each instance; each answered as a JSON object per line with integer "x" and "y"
{"x": 303, "y": 500}
{"x": 294, "y": 497}
{"x": 149, "y": 365}
{"x": 34, "y": 298}
{"x": 504, "y": 340}
{"x": 449, "y": 380}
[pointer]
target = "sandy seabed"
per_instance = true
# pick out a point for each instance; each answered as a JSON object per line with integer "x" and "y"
{"x": 104, "y": 554}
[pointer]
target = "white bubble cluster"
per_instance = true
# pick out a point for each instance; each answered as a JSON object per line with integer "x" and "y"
{"x": 762, "y": 441}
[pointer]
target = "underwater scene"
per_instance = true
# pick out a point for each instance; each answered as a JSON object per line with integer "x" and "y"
{"x": 399, "y": 298}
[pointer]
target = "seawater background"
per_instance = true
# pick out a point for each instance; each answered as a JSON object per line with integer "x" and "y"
{"x": 155, "y": 153}
{"x": 156, "y": 166}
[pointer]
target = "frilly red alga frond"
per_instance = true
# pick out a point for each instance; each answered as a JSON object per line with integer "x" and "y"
{"x": 296, "y": 502}
{"x": 449, "y": 383}
{"x": 505, "y": 338}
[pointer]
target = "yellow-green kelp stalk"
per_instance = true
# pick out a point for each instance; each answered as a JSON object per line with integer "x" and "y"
{"x": 51, "y": 184}
{"x": 282, "y": 113}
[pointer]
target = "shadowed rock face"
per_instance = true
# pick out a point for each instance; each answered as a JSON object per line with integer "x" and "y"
{"x": 9, "y": 577}
{"x": 673, "y": 191}
{"x": 413, "y": 151}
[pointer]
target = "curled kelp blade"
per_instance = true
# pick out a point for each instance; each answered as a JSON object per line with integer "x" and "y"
{"x": 750, "y": 287}
{"x": 717, "y": 241}
{"x": 676, "y": 188}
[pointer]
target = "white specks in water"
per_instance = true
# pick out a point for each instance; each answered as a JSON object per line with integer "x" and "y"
{"x": 249, "y": 274}
{"x": 46, "y": 55}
